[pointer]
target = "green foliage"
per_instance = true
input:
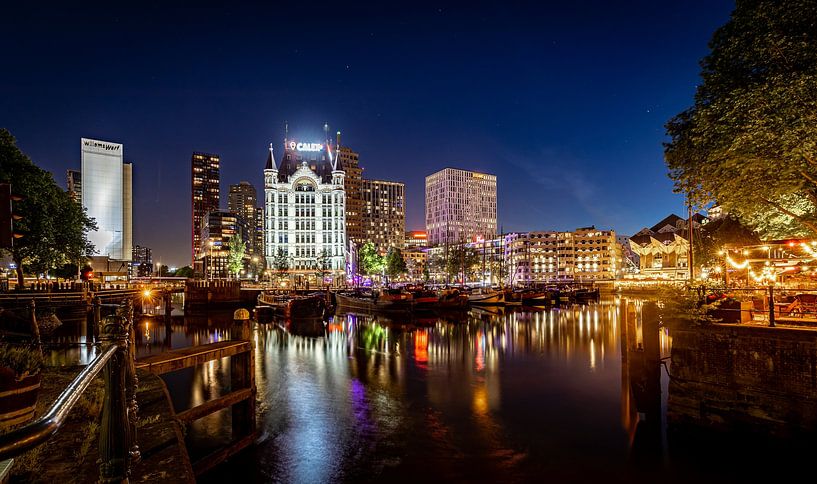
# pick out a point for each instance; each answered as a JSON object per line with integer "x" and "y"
{"x": 66, "y": 271}
{"x": 323, "y": 264}
{"x": 185, "y": 271}
{"x": 463, "y": 260}
{"x": 371, "y": 262}
{"x": 235, "y": 256}
{"x": 749, "y": 142}
{"x": 23, "y": 360}
{"x": 394, "y": 263}
{"x": 726, "y": 230}
{"x": 53, "y": 225}
{"x": 281, "y": 263}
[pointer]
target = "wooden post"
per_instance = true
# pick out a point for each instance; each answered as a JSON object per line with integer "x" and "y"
{"x": 168, "y": 296}
{"x": 242, "y": 375}
{"x": 771, "y": 306}
{"x": 113, "y": 434}
{"x": 35, "y": 328}
{"x": 97, "y": 317}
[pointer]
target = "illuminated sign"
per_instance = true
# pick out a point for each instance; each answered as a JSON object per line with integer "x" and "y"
{"x": 305, "y": 146}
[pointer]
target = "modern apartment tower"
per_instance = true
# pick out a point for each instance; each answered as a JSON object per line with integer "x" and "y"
{"x": 243, "y": 200}
{"x": 75, "y": 185}
{"x": 350, "y": 164}
{"x": 106, "y": 193}
{"x": 304, "y": 208}
{"x": 205, "y": 182}
{"x": 384, "y": 215}
{"x": 460, "y": 206}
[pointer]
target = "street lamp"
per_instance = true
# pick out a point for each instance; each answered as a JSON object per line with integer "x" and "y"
{"x": 210, "y": 263}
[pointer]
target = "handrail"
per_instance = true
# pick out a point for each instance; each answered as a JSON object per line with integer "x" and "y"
{"x": 25, "y": 438}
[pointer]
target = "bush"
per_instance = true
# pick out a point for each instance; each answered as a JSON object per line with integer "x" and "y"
{"x": 23, "y": 360}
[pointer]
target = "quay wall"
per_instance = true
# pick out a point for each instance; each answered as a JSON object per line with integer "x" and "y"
{"x": 752, "y": 378}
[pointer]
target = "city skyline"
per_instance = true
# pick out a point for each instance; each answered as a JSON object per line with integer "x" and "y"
{"x": 570, "y": 120}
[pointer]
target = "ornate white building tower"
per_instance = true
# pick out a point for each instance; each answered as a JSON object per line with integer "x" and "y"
{"x": 305, "y": 208}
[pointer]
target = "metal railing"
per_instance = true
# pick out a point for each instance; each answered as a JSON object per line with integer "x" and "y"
{"x": 118, "y": 448}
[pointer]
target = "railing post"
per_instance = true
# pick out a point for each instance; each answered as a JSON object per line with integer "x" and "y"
{"x": 113, "y": 434}
{"x": 242, "y": 375}
{"x": 35, "y": 327}
{"x": 97, "y": 317}
{"x": 131, "y": 382}
{"x": 771, "y": 306}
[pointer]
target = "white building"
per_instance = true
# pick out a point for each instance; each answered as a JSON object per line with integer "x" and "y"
{"x": 107, "y": 196}
{"x": 304, "y": 209}
{"x": 460, "y": 206}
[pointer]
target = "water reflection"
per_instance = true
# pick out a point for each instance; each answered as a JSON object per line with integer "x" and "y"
{"x": 574, "y": 394}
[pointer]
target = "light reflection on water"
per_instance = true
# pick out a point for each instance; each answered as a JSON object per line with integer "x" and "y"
{"x": 571, "y": 394}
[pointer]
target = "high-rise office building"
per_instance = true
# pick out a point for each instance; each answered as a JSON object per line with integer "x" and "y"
{"x": 141, "y": 262}
{"x": 218, "y": 228}
{"x": 243, "y": 200}
{"x": 460, "y": 206}
{"x": 350, "y": 164}
{"x": 206, "y": 184}
{"x": 106, "y": 182}
{"x": 304, "y": 208}
{"x": 75, "y": 185}
{"x": 384, "y": 216}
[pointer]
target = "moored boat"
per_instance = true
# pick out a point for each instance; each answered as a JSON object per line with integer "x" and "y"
{"x": 386, "y": 300}
{"x": 485, "y": 296}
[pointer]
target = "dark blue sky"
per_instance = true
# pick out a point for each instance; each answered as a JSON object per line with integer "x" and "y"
{"x": 564, "y": 102}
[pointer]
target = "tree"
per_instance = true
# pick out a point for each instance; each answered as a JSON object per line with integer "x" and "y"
{"x": 235, "y": 256}
{"x": 53, "y": 225}
{"x": 726, "y": 230}
{"x": 394, "y": 263}
{"x": 749, "y": 142}
{"x": 185, "y": 271}
{"x": 462, "y": 262}
{"x": 281, "y": 263}
{"x": 371, "y": 261}
{"x": 323, "y": 265}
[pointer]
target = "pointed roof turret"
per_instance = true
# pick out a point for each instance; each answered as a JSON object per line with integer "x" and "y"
{"x": 270, "y": 160}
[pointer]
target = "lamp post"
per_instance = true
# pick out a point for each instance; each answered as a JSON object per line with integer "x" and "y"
{"x": 210, "y": 262}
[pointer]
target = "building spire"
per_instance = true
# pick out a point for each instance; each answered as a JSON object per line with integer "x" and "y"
{"x": 286, "y": 131}
{"x": 271, "y": 165}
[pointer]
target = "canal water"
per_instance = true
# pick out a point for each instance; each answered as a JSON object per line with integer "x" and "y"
{"x": 575, "y": 394}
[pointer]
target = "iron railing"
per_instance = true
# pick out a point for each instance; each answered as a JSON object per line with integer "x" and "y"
{"x": 118, "y": 448}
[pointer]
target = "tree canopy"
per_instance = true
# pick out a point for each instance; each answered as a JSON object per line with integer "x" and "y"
{"x": 235, "y": 256}
{"x": 53, "y": 225}
{"x": 394, "y": 263}
{"x": 371, "y": 262}
{"x": 281, "y": 263}
{"x": 749, "y": 142}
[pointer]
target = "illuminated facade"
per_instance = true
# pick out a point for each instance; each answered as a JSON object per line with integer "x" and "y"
{"x": 106, "y": 195}
{"x": 350, "y": 164}
{"x": 460, "y": 206}
{"x": 663, "y": 249}
{"x": 304, "y": 208}
{"x": 75, "y": 185}
{"x": 416, "y": 239}
{"x": 384, "y": 216}
{"x": 243, "y": 200}
{"x": 586, "y": 254}
{"x": 219, "y": 226}
{"x": 205, "y": 182}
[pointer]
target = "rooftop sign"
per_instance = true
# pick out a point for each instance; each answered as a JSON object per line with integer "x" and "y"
{"x": 305, "y": 146}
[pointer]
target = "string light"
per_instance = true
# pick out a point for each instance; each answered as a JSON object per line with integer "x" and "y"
{"x": 735, "y": 265}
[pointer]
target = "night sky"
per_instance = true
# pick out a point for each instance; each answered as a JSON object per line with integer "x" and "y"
{"x": 565, "y": 103}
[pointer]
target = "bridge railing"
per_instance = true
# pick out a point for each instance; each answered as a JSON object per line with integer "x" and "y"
{"x": 118, "y": 448}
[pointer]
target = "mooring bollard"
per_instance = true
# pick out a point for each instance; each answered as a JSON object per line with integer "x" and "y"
{"x": 242, "y": 375}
